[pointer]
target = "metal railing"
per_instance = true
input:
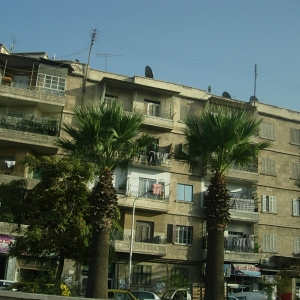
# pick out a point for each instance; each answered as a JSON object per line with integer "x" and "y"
{"x": 23, "y": 121}
{"x": 135, "y": 193}
{"x": 242, "y": 204}
{"x": 239, "y": 244}
{"x": 150, "y": 240}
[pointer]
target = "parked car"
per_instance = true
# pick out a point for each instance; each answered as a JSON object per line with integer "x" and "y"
{"x": 176, "y": 294}
{"x": 120, "y": 295}
{"x": 231, "y": 298}
{"x": 144, "y": 295}
{"x": 5, "y": 283}
{"x": 251, "y": 296}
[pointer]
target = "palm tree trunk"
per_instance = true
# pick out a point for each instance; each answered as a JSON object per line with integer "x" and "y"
{"x": 217, "y": 217}
{"x": 214, "y": 274}
{"x": 98, "y": 266}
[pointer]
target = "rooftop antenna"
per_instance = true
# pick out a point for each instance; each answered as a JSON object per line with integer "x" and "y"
{"x": 106, "y": 55}
{"x": 255, "y": 76}
{"x": 14, "y": 42}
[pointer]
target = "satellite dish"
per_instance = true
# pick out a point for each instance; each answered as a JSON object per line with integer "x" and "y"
{"x": 148, "y": 72}
{"x": 253, "y": 99}
{"x": 226, "y": 95}
{"x": 209, "y": 89}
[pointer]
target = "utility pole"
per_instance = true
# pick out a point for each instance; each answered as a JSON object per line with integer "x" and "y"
{"x": 93, "y": 37}
{"x": 105, "y": 55}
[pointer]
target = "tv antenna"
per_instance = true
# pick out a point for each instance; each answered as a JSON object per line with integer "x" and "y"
{"x": 106, "y": 55}
{"x": 14, "y": 42}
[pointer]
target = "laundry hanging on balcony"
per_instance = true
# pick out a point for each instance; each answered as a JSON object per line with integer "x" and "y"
{"x": 156, "y": 189}
{"x": 10, "y": 163}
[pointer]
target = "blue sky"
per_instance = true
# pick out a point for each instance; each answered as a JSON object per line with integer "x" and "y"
{"x": 190, "y": 42}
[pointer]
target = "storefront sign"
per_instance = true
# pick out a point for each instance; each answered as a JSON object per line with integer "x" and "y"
{"x": 245, "y": 270}
{"x": 5, "y": 240}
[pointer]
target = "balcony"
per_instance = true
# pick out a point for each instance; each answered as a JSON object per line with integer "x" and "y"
{"x": 5, "y": 178}
{"x": 157, "y": 160}
{"x": 238, "y": 249}
{"x": 31, "y": 93}
{"x": 22, "y": 127}
{"x": 243, "y": 209}
{"x": 158, "y": 203}
{"x": 159, "y": 121}
{"x": 156, "y": 247}
{"x": 248, "y": 173}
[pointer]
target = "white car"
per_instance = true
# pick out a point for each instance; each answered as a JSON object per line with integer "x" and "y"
{"x": 144, "y": 295}
{"x": 250, "y": 296}
{"x": 176, "y": 294}
{"x": 5, "y": 283}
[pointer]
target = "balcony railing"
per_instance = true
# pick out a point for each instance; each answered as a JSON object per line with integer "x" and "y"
{"x": 154, "y": 159}
{"x": 33, "y": 93}
{"x": 253, "y": 168}
{"x": 239, "y": 244}
{"x": 151, "y": 240}
{"x": 134, "y": 193}
{"x": 23, "y": 121}
{"x": 243, "y": 204}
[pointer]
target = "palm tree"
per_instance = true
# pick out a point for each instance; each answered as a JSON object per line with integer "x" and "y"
{"x": 109, "y": 137}
{"x": 219, "y": 140}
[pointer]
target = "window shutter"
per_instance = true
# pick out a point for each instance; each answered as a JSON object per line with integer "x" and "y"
{"x": 272, "y": 200}
{"x": 294, "y": 136}
{"x": 295, "y": 207}
{"x": 146, "y": 108}
{"x": 295, "y": 171}
{"x": 273, "y": 242}
{"x": 264, "y": 202}
{"x": 170, "y": 233}
{"x": 296, "y": 245}
{"x": 265, "y": 242}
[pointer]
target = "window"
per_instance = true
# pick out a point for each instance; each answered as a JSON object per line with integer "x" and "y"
{"x": 295, "y": 136}
{"x": 296, "y": 245}
{"x": 145, "y": 187}
{"x": 268, "y": 166}
{"x": 51, "y": 82}
{"x": 269, "y": 242}
{"x": 267, "y": 131}
{"x": 295, "y": 172}
{"x": 269, "y": 204}
{"x": 296, "y": 207}
{"x": 180, "y": 272}
{"x": 110, "y": 99}
{"x": 144, "y": 231}
{"x": 184, "y": 192}
{"x": 141, "y": 275}
{"x": 183, "y": 235}
{"x": 152, "y": 108}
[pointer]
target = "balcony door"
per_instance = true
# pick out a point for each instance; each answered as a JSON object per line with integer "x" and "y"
{"x": 144, "y": 231}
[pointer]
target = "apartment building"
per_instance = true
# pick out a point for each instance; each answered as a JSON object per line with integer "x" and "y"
{"x": 37, "y": 95}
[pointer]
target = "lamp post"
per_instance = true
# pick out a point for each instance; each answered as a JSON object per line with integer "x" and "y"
{"x": 131, "y": 239}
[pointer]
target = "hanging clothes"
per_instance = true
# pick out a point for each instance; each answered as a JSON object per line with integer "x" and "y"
{"x": 10, "y": 163}
{"x": 157, "y": 188}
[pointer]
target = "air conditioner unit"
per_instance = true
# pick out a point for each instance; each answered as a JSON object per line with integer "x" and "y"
{"x": 265, "y": 261}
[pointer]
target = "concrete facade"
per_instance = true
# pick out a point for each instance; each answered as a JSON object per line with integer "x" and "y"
{"x": 169, "y": 230}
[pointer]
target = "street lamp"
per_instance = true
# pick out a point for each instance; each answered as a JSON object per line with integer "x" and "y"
{"x": 131, "y": 239}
